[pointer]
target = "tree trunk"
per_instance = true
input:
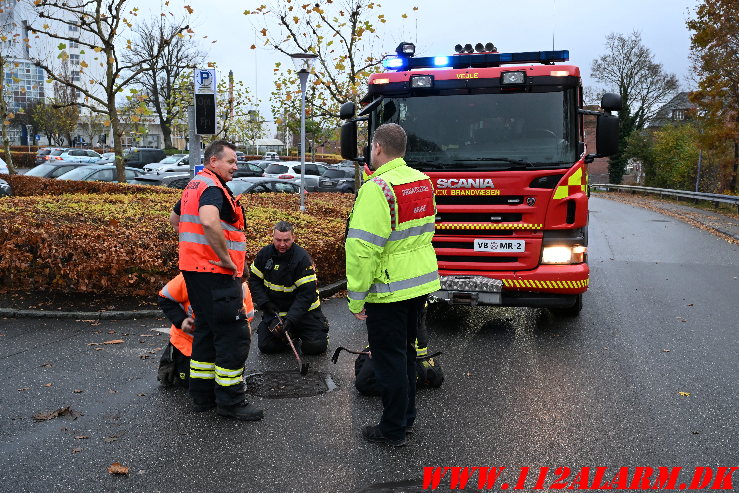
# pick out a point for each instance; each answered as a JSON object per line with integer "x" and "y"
{"x": 732, "y": 185}
{"x": 117, "y": 143}
{"x": 167, "y": 134}
{"x": 3, "y": 114}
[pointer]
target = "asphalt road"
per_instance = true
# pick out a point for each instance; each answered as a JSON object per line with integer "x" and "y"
{"x": 522, "y": 388}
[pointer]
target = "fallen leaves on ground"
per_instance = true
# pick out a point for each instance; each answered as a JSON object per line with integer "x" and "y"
{"x": 684, "y": 394}
{"x": 62, "y": 411}
{"x": 114, "y": 341}
{"x": 117, "y": 468}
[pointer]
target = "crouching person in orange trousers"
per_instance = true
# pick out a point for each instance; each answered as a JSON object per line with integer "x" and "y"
{"x": 174, "y": 365}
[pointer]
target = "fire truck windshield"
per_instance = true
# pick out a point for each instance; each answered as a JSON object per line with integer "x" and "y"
{"x": 517, "y": 130}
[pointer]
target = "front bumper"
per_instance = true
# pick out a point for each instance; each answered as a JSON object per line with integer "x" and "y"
{"x": 548, "y": 286}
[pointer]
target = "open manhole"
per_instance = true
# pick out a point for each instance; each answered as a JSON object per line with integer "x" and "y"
{"x": 413, "y": 486}
{"x": 288, "y": 383}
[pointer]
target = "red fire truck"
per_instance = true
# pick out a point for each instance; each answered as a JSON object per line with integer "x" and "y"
{"x": 501, "y": 137}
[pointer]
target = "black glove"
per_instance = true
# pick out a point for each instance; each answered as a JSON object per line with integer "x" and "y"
{"x": 269, "y": 308}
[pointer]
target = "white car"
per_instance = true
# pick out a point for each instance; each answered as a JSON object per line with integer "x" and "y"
{"x": 181, "y": 160}
{"x": 3, "y": 167}
{"x": 290, "y": 171}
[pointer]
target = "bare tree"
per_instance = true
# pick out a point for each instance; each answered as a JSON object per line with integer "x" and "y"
{"x": 171, "y": 62}
{"x": 628, "y": 68}
{"x": 100, "y": 26}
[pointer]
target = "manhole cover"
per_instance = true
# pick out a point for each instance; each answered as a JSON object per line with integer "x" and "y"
{"x": 411, "y": 486}
{"x": 289, "y": 383}
{"x": 660, "y": 220}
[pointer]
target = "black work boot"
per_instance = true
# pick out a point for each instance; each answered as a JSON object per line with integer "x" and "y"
{"x": 202, "y": 405}
{"x": 373, "y": 434}
{"x": 243, "y": 411}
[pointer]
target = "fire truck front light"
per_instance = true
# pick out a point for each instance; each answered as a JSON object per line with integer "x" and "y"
{"x": 458, "y": 48}
{"x": 422, "y": 81}
{"x": 563, "y": 254}
{"x": 393, "y": 62}
{"x": 441, "y": 61}
{"x": 468, "y": 48}
{"x": 406, "y": 49}
{"x": 518, "y": 77}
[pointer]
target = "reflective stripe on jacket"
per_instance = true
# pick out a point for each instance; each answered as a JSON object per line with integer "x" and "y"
{"x": 195, "y": 251}
{"x": 389, "y": 255}
{"x": 176, "y": 291}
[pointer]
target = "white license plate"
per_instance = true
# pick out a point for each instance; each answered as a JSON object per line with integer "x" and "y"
{"x": 506, "y": 246}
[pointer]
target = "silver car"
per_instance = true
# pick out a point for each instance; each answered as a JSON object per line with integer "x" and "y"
{"x": 290, "y": 171}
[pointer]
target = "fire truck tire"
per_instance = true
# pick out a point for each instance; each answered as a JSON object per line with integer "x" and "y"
{"x": 572, "y": 311}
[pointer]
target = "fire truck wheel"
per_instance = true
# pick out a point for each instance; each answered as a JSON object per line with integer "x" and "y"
{"x": 572, "y": 311}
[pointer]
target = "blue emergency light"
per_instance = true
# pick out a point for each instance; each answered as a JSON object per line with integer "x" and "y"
{"x": 476, "y": 60}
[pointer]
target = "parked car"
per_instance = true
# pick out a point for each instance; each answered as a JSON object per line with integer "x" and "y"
{"x": 240, "y": 157}
{"x": 5, "y": 190}
{"x": 79, "y": 156}
{"x": 290, "y": 171}
{"x": 4, "y": 167}
{"x": 138, "y": 157}
{"x": 98, "y": 172}
{"x": 172, "y": 180}
{"x": 271, "y": 156}
{"x": 53, "y": 169}
{"x": 45, "y": 154}
{"x": 181, "y": 160}
{"x": 106, "y": 158}
{"x": 337, "y": 180}
{"x": 248, "y": 169}
{"x": 261, "y": 163}
{"x": 261, "y": 185}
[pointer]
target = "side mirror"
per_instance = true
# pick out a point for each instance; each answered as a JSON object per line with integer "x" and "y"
{"x": 347, "y": 110}
{"x": 349, "y": 139}
{"x": 606, "y": 135}
{"x": 610, "y": 102}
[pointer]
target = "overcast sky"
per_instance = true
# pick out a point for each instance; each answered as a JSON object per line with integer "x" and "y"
{"x": 579, "y": 26}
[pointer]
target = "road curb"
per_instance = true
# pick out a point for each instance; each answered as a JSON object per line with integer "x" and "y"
{"x": 323, "y": 292}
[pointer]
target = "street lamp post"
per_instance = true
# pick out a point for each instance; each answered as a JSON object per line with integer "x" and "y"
{"x": 29, "y": 128}
{"x": 303, "y": 63}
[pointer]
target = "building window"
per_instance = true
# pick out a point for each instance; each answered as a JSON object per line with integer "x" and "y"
{"x": 75, "y": 75}
{"x": 74, "y": 59}
{"x": 74, "y": 44}
{"x": 678, "y": 114}
{"x": 73, "y": 28}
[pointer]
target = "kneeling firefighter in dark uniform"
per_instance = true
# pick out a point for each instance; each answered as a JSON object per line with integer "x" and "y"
{"x": 283, "y": 285}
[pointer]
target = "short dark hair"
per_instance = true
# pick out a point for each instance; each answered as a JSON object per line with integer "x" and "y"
{"x": 216, "y": 149}
{"x": 284, "y": 227}
{"x": 392, "y": 138}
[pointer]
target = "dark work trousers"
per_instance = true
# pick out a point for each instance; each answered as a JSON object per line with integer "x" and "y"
{"x": 311, "y": 330}
{"x": 221, "y": 333}
{"x": 391, "y": 331}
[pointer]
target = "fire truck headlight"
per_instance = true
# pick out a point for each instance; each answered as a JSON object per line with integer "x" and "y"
{"x": 517, "y": 77}
{"x": 563, "y": 254}
{"x": 422, "y": 81}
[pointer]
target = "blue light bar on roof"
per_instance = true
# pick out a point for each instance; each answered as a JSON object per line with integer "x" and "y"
{"x": 394, "y": 62}
{"x": 477, "y": 60}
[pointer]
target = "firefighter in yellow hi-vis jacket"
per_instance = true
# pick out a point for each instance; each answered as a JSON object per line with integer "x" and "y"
{"x": 391, "y": 268}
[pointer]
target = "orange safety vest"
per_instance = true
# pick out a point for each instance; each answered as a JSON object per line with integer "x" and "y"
{"x": 195, "y": 251}
{"x": 176, "y": 291}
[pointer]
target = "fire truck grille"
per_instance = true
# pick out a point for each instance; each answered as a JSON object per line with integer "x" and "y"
{"x": 473, "y": 258}
{"x": 478, "y": 233}
{"x": 479, "y": 199}
{"x": 478, "y": 217}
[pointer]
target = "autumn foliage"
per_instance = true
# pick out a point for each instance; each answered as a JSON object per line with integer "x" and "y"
{"x": 79, "y": 237}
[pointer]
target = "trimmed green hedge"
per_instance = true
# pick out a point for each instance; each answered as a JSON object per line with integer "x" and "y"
{"x": 80, "y": 237}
